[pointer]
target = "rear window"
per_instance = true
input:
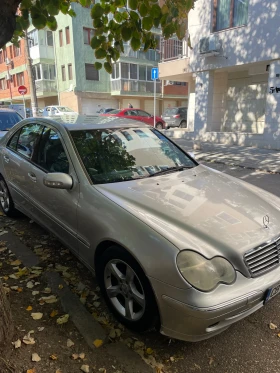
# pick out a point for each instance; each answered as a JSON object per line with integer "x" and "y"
{"x": 8, "y": 120}
{"x": 171, "y": 111}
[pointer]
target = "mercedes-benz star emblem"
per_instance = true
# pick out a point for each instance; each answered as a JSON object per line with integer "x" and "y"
{"x": 266, "y": 221}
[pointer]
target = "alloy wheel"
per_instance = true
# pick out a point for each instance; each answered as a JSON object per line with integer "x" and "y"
{"x": 124, "y": 289}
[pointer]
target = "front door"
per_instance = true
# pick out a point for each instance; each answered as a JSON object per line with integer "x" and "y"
{"x": 55, "y": 208}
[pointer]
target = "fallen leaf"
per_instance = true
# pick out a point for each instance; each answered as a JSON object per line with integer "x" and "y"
{"x": 14, "y": 287}
{"x": 82, "y": 355}
{"x": 69, "y": 343}
{"x": 62, "y": 319}
{"x": 36, "y": 315}
{"x": 40, "y": 328}
{"x": 60, "y": 286}
{"x": 35, "y": 357}
{"x": 3, "y": 232}
{"x": 3, "y": 249}
{"x": 85, "y": 368}
{"x": 15, "y": 263}
{"x": 272, "y": 326}
{"x": 53, "y": 313}
{"x": 172, "y": 359}
{"x": 19, "y": 290}
{"x": 103, "y": 370}
{"x": 98, "y": 342}
{"x": 22, "y": 272}
{"x": 35, "y": 292}
{"x": 33, "y": 370}
{"x": 75, "y": 356}
{"x": 47, "y": 290}
{"x": 13, "y": 276}
{"x": 96, "y": 304}
{"x": 49, "y": 299}
{"x": 29, "y": 308}
{"x": 30, "y": 285}
{"x": 53, "y": 357}
{"x": 211, "y": 360}
{"x": 138, "y": 345}
{"x": 112, "y": 334}
{"x": 27, "y": 339}
{"x": 17, "y": 344}
{"x": 149, "y": 351}
{"x": 58, "y": 371}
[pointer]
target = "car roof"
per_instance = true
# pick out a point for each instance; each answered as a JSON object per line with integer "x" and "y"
{"x": 83, "y": 122}
{"x": 7, "y": 110}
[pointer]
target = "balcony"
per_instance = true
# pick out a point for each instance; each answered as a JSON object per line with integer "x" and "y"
{"x": 45, "y": 87}
{"x": 174, "y": 59}
{"x": 133, "y": 87}
{"x": 150, "y": 55}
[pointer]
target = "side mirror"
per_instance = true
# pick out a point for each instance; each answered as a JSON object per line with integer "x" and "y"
{"x": 58, "y": 180}
{"x": 191, "y": 154}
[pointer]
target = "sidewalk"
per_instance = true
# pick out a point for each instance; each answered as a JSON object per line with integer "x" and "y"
{"x": 243, "y": 156}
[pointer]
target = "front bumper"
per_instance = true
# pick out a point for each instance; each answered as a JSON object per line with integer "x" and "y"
{"x": 183, "y": 320}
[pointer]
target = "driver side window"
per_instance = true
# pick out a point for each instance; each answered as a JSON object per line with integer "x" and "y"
{"x": 51, "y": 154}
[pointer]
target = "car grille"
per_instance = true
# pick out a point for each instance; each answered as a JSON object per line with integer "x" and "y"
{"x": 264, "y": 258}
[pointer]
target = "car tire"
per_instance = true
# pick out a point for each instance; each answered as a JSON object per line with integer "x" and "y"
{"x": 6, "y": 201}
{"x": 159, "y": 126}
{"x": 183, "y": 124}
{"x": 127, "y": 290}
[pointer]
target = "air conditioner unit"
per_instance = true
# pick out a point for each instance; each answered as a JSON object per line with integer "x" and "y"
{"x": 8, "y": 77}
{"x": 7, "y": 61}
{"x": 169, "y": 82}
{"x": 209, "y": 46}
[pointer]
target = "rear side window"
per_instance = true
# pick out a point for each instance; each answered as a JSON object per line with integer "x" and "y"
{"x": 28, "y": 139}
{"x": 171, "y": 111}
{"x": 12, "y": 144}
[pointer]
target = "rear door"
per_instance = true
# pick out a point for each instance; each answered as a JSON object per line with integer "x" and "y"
{"x": 131, "y": 114}
{"x": 145, "y": 117}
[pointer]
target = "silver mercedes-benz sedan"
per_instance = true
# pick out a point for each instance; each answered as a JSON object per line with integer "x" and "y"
{"x": 174, "y": 244}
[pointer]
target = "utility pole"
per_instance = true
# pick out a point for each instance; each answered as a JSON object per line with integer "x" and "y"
{"x": 32, "y": 87}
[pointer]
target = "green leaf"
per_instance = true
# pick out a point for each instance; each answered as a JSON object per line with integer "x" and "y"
{"x": 126, "y": 33}
{"x": 134, "y": 16}
{"x": 95, "y": 42}
{"x": 64, "y": 7}
{"x": 51, "y": 23}
{"x": 98, "y": 65}
{"x": 25, "y": 4}
{"x": 97, "y": 11}
{"x": 165, "y": 9}
{"x": 108, "y": 67}
{"x": 143, "y": 10}
{"x": 155, "y": 11}
{"x": 107, "y": 9}
{"x": 147, "y": 23}
{"x": 39, "y": 22}
{"x": 85, "y": 3}
{"x": 135, "y": 44}
{"x": 118, "y": 17}
{"x": 181, "y": 30}
{"x": 72, "y": 13}
{"x": 100, "y": 53}
{"x": 23, "y": 23}
{"x": 97, "y": 23}
{"x": 132, "y": 4}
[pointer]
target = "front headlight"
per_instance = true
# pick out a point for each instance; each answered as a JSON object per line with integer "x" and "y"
{"x": 202, "y": 273}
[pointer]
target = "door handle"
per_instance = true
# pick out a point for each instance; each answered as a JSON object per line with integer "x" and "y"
{"x": 32, "y": 176}
{"x": 6, "y": 158}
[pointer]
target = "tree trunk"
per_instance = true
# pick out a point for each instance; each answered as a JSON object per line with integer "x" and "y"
{"x": 6, "y": 322}
{"x": 8, "y": 9}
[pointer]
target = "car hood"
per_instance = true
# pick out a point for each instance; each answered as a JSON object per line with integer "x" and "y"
{"x": 201, "y": 209}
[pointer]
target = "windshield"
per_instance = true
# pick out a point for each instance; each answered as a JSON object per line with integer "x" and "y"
{"x": 64, "y": 109}
{"x": 114, "y": 155}
{"x": 115, "y": 111}
{"x": 8, "y": 120}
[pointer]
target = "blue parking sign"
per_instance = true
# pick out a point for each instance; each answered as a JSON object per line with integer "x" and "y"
{"x": 154, "y": 73}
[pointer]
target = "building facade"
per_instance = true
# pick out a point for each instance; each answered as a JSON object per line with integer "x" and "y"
{"x": 233, "y": 72}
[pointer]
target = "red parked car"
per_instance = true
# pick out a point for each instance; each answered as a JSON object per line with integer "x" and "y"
{"x": 137, "y": 114}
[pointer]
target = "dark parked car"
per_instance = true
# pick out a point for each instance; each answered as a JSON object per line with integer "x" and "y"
{"x": 8, "y": 118}
{"x": 175, "y": 117}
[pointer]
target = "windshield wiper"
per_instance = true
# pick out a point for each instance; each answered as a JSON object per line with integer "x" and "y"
{"x": 171, "y": 169}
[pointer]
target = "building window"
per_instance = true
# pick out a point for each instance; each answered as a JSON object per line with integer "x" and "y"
{"x": 142, "y": 72}
{"x": 229, "y": 13}
{"x": 3, "y": 84}
{"x": 60, "y": 38}
{"x": 67, "y": 35}
{"x": 1, "y": 57}
{"x": 11, "y": 52}
{"x": 17, "y": 51}
{"x": 63, "y": 73}
{"x": 20, "y": 79}
{"x": 50, "y": 38}
{"x": 70, "y": 72}
{"x": 88, "y": 35}
{"x": 33, "y": 38}
{"x": 91, "y": 72}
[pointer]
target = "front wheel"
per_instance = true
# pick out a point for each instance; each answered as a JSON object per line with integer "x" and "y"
{"x": 126, "y": 289}
{"x": 6, "y": 200}
{"x": 159, "y": 126}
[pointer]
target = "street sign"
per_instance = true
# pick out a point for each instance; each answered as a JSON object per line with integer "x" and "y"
{"x": 22, "y": 90}
{"x": 154, "y": 73}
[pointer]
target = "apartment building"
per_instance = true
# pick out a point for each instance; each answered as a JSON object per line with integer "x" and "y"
{"x": 232, "y": 71}
{"x": 13, "y": 72}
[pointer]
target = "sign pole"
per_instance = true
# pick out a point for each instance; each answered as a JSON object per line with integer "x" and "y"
{"x": 23, "y": 99}
{"x": 154, "y": 103}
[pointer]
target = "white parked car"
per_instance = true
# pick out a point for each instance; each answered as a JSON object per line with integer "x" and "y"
{"x": 57, "y": 110}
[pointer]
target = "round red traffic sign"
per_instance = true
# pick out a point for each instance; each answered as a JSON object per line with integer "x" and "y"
{"x": 22, "y": 90}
